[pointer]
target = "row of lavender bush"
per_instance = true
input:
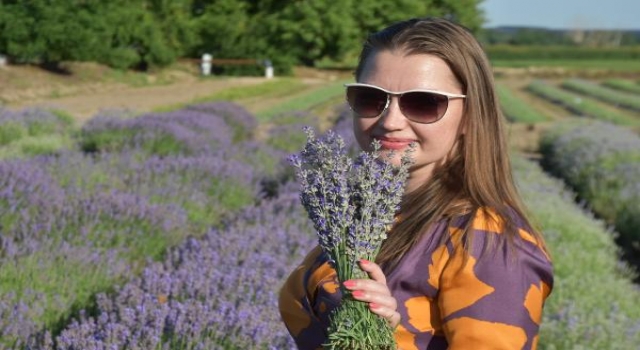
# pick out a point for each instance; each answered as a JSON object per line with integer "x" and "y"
{"x": 81, "y": 221}
{"x": 602, "y": 163}
{"x": 581, "y": 104}
{"x": 217, "y": 291}
{"x": 616, "y": 97}
{"x": 213, "y": 292}
{"x": 594, "y": 304}
{"x": 623, "y": 85}
{"x": 31, "y": 123}
{"x": 33, "y": 131}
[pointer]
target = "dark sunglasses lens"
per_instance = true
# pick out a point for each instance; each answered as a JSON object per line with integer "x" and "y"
{"x": 423, "y": 107}
{"x": 365, "y": 101}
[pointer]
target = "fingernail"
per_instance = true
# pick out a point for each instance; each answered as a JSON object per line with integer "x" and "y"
{"x": 358, "y": 293}
{"x": 374, "y": 306}
{"x": 349, "y": 283}
{"x": 364, "y": 261}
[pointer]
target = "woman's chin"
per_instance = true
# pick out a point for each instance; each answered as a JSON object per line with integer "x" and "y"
{"x": 392, "y": 156}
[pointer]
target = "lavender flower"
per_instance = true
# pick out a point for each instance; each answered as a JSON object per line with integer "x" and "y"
{"x": 351, "y": 204}
{"x": 213, "y": 292}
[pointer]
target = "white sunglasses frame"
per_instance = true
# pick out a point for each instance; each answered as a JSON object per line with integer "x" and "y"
{"x": 389, "y": 93}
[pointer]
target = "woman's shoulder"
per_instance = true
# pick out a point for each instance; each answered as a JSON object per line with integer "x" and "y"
{"x": 488, "y": 221}
{"x": 500, "y": 245}
{"x": 485, "y": 231}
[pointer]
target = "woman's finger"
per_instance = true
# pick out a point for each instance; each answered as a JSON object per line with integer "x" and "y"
{"x": 384, "y": 306}
{"x": 375, "y": 292}
{"x": 368, "y": 285}
{"x": 383, "y": 300}
{"x": 391, "y": 315}
{"x": 374, "y": 271}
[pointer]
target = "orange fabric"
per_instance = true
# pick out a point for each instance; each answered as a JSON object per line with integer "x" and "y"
{"x": 468, "y": 333}
{"x": 405, "y": 339}
{"x": 291, "y": 308}
{"x": 462, "y": 285}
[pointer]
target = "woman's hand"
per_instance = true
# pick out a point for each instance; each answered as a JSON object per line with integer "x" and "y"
{"x": 375, "y": 292}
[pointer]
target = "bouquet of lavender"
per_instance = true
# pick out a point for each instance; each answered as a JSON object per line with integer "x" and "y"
{"x": 352, "y": 203}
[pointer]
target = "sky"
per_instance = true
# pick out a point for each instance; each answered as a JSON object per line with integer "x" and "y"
{"x": 563, "y": 14}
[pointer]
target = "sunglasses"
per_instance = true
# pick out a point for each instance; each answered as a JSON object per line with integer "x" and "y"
{"x": 420, "y": 106}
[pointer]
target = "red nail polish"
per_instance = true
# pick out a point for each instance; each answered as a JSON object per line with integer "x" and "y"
{"x": 364, "y": 262}
{"x": 349, "y": 283}
{"x": 374, "y": 306}
{"x": 358, "y": 293}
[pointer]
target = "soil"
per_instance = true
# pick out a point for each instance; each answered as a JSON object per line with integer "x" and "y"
{"x": 82, "y": 98}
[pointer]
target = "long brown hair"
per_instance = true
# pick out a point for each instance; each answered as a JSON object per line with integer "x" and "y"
{"x": 477, "y": 175}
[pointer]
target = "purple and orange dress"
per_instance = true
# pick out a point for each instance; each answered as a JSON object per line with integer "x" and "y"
{"x": 490, "y": 299}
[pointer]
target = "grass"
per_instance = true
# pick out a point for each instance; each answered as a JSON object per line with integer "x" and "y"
{"x": 623, "y": 85}
{"x": 277, "y": 87}
{"x": 35, "y": 146}
{"x": 62, "y": 283}
{"x": 305, "y": 101}
{"x": 608, "y": 65}
{"x": 603, "y": 93}
{"x": 32, "y": 138}
{"x": 516, "y": 109}
{"x": 582, "y": 105}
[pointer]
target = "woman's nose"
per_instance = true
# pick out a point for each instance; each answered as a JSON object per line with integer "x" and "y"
{"x": 392, "y": 118}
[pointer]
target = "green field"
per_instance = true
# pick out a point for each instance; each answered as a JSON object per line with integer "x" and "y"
{"x": 594, "y": 303}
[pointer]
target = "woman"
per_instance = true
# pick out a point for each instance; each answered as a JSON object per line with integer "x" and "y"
{"x": 462, "y": 268}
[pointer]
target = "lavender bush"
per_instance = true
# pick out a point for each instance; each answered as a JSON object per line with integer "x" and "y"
{"x": 85, "y": 241}
{"x": 214, "y": 292}
{"x": 184, "y": 132}
{"x": 602, "y": 163}
{"x": 239, "y": 119}
{"x": 206, "y": 187}
{"x": 594, "y": 304}
{"x": 62, "y": 244}
{"x": 30, "y": 132}
{"x": 31, "y": 122}
{"x": 75, "y": 224}
{"x": 351, "y": 204}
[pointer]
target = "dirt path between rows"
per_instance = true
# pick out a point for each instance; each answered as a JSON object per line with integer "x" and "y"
{"x": 87, "y": 88}
{"x": 84, "y": 105}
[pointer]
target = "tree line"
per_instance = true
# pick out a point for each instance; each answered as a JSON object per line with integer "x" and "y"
{"x": 520, "y": 36}
{"x": 143, "y": 34}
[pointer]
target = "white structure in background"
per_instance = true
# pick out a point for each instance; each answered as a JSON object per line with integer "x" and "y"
{"x": 3, "y": 60}
{"x": 205, "y": 65}
{"x": 268, "y": 69}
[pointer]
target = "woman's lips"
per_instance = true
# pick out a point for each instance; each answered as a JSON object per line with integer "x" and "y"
{"x": 393, "y": 143}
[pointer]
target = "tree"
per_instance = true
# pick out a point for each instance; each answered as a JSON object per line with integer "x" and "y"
{"x": 321, "y": 29}
{"x": 465, "y": 12}
{"x": 148, "y": 33}
{"x": 48, "y": 32}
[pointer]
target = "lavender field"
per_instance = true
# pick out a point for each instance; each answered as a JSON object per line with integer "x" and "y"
{"x": 175, "y": 230}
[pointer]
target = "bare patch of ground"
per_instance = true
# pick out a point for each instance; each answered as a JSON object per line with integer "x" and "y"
{"x": 84, "y": 89}
{"x": 91, "y": 89}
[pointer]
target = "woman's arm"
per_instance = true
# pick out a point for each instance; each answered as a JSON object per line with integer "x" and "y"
{"x": 494, "y": 298}
{"x": 306, "y": 299}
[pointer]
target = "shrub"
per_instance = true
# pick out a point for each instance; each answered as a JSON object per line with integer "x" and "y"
{"x": 602, "y": 168}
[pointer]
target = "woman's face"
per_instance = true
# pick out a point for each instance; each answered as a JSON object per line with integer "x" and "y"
{"x": 395, "y": 71}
